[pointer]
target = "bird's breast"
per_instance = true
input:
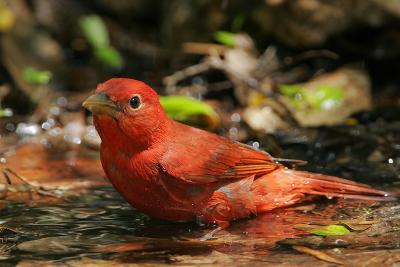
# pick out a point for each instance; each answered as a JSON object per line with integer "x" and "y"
{"x": 150, "y": 190}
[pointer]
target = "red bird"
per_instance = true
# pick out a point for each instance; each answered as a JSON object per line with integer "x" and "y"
{"x": 175, "y": 172}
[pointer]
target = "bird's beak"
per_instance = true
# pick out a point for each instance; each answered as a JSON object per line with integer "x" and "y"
{"x": 100, "y": 104}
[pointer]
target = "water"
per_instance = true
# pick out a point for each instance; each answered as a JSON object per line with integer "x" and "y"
{"x": 101, "y": 225}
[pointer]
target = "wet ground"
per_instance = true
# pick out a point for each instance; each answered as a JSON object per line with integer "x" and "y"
{"x": 84, "y": 221}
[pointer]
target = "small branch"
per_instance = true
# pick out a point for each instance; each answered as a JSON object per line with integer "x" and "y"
{"x": 172, "y": 80}
{"x": 318, "y": 254}
{"x": 203, "y": 48}
{"x": 36, "y": 188}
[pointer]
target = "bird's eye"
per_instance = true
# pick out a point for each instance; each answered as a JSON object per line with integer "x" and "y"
{"x": 135, "y": 102}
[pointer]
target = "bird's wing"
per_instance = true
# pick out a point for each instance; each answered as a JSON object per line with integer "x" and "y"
{"x": 201, "y": 157}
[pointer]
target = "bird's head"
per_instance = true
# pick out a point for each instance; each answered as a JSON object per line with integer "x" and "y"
{"x": 127, "y": 109}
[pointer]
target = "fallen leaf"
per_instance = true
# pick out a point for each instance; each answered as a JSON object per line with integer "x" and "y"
{"x": 325, "y": 230}
{"x": 323, "y": 97}
{"x": 328, "y": 99}
{"x": 331, "y": 230}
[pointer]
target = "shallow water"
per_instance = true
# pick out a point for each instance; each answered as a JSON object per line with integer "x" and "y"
{"x": 87, "y": 226}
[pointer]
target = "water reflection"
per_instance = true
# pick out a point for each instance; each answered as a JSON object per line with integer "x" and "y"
{"x": 102, "y": 224}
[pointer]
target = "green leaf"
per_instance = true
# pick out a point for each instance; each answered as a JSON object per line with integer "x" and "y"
{"x": 333, "y": 229}
{"x": 109, "y": 56}
{"x": 295, "y": 94}
{"x": 290, "y": 89}
{"x": 189, "y": 110}
{"x": 36, "y": 77}
{"x": 96, "y": 34}
{"x": 322, "y": 98}
{"x": 225, "y": 38}
{"x": 325, "y": 97}
{"x": 95, "y": 31}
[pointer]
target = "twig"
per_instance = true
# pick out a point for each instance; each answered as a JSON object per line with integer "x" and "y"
{"x": 203, "y": 48}
{"x": 172, "y": 80}
{"x": 219, "y": 86}
{"x": 37, "y": 188}
{"x": 318, "y": 254}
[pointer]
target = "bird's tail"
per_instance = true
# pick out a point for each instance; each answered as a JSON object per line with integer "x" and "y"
{"x": 329, "y": 186}
{"x": 284, "y": 187}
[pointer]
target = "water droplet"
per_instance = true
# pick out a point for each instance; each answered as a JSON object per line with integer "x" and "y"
{"x": 390, "y": 161}
{"x": 235, "y": 117}
{"x": 76, "y": 140}
{"x": 47, "y": 125}
{"x": 62, "y": 101}
{"x": 340, "y": 242}
{"x": 329, "y": 197}
{"x": 233, "y": 133}
{"x": 233, "y": 130}
{"x": 55, "y": 111}
{"x": 28, "y": 129}
{"x": 256, "y": 145}
{"x": 329, "y": 104}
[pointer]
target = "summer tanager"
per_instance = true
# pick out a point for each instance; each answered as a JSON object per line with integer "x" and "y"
{"x": 175, "y": 172}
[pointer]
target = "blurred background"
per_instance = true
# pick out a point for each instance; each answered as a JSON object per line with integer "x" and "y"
{"x": 311, "y": 79}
